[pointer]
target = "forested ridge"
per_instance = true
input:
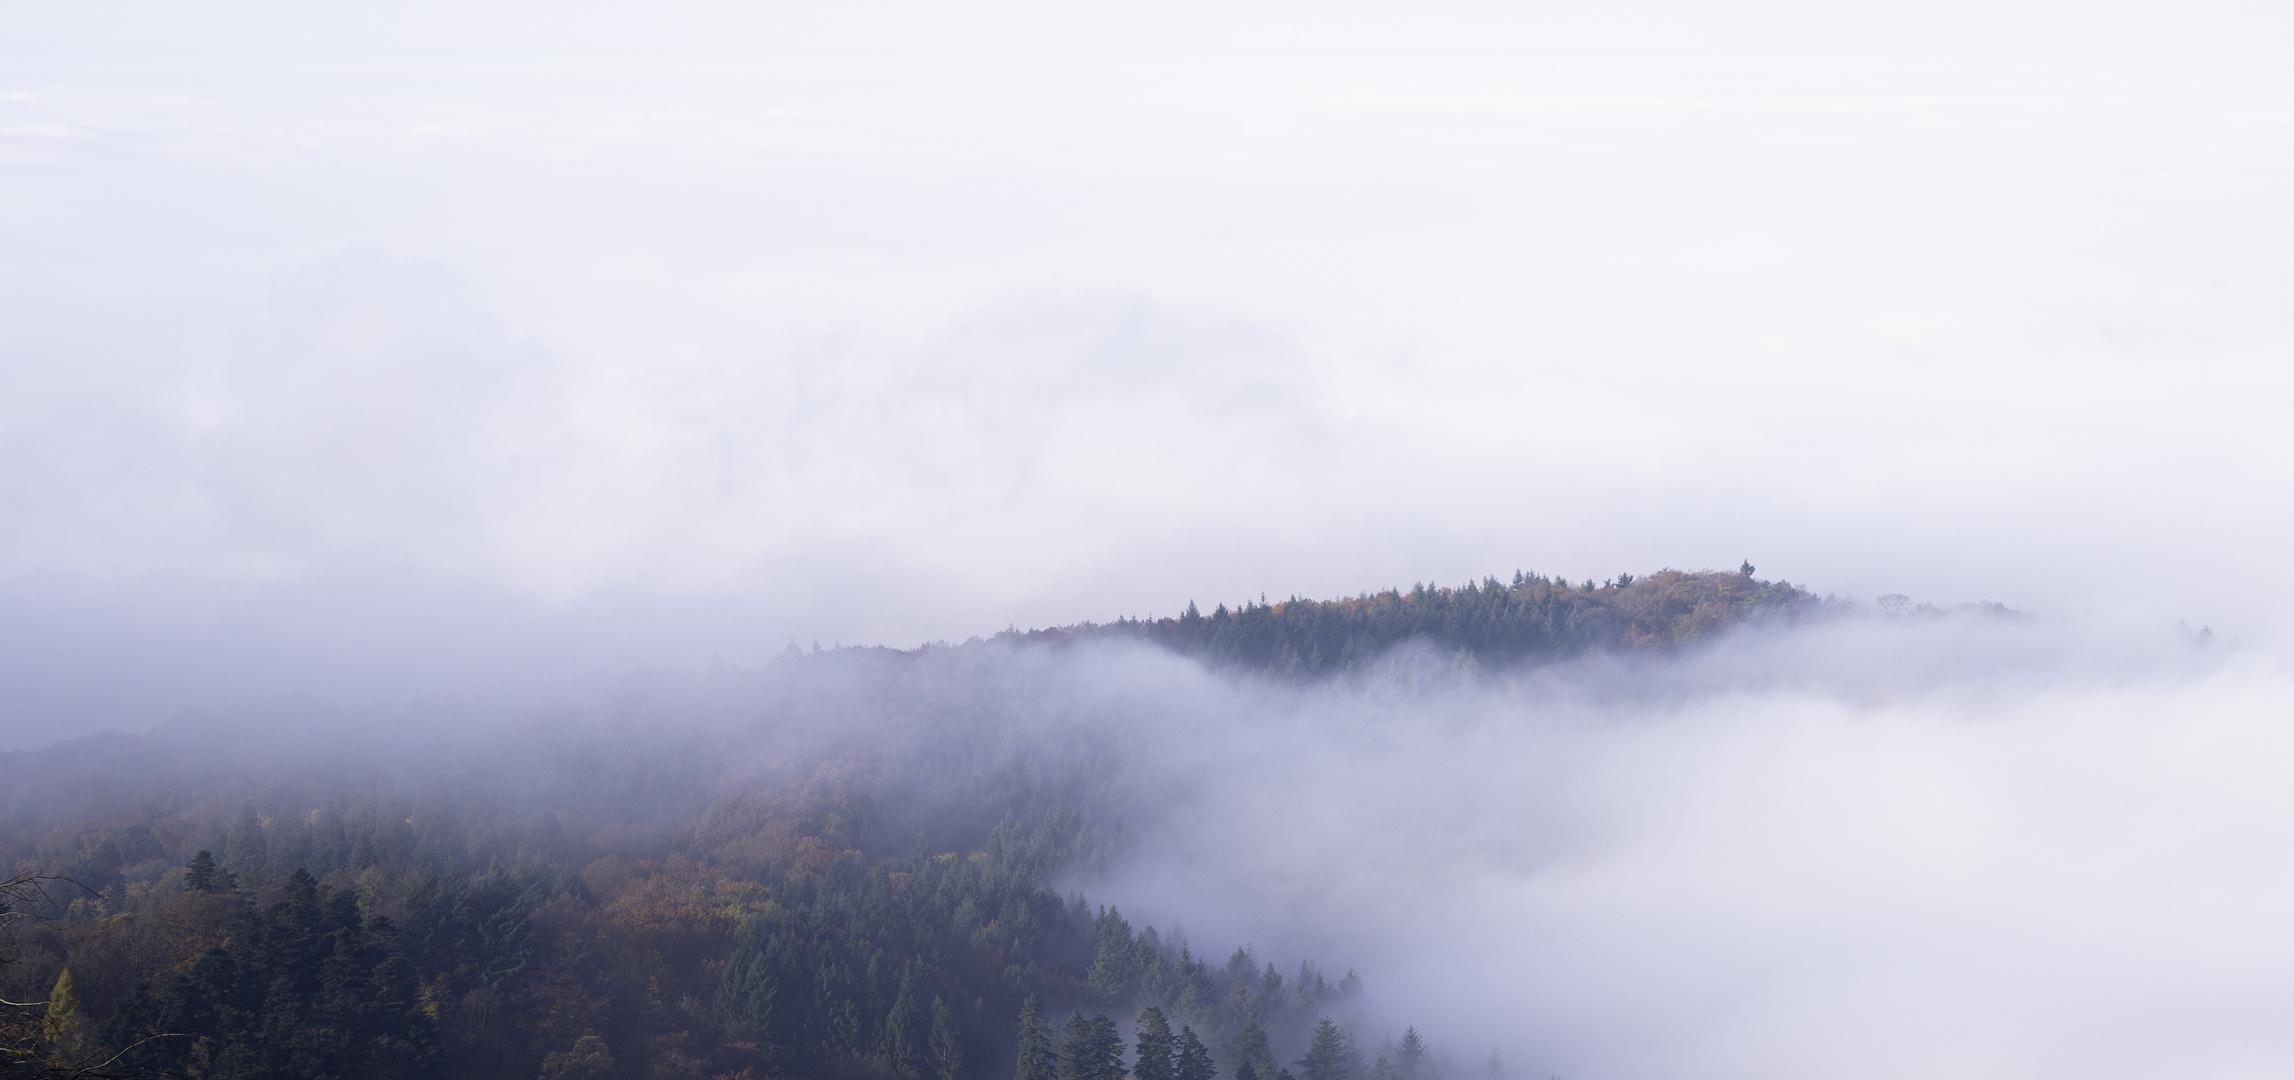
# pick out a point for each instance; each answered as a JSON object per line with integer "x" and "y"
{"x": 1492, "y": 623}
{"x": 849, "y": 863}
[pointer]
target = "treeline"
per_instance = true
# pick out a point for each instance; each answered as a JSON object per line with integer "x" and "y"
{"x": 775, "y": 932}
{"x": 550, "y": 964}
{"x": 843, "y": 864}
{"x": 1489, "y": 622}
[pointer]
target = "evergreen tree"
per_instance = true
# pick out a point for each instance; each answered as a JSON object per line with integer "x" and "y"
{"x": 1325, "y": 1057}
{"x": 1038, "y": 1061}
{"x": 1093, "y": 1048}
{"x": 1380, "y": 1070}
{"x": 947, "y": 1044}
{"x": 903, "y": 1041}
{"x": 1155, "y": 1061}
{"x": 1410, "y": 1059}
{"x": 1194, "y": 1058}
{"x": 1249, "y": 1047}
{"x": 202, "y": 875}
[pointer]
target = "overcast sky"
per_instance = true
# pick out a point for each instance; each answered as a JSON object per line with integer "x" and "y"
{"x": 355, "y": 350}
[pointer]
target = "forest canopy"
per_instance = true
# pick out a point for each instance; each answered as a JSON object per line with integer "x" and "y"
{"x": 858, "y": 863}
{"x": 1498, "y": 624}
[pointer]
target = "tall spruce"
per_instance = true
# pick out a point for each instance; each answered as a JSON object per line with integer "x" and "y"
{"x": 1093, "y": 1048}
{"x": 1156, "y": 1048}
{"x": 903, "y": 1041}
{"x": 947, "y": 1043}
{"x": 1038, "y": 1060}
{"x": 1410, "y": 1058}
{"x": 1325, "y": 1057}
{"x": 1249, "y": 1047}
{"x": 1194, "y": 1058}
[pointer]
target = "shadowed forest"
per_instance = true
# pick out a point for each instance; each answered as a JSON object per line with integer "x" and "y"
{"x": 858, "y": 863}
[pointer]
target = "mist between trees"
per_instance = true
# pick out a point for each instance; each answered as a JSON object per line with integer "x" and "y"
{"x": 851, "y": 863}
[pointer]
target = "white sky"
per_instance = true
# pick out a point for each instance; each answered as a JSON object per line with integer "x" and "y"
{"x": 326, "y": 336}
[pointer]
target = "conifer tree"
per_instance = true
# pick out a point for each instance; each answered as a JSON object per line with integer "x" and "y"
{"x": 1194, "y": 1061}
{"x": 202, "y": 875}
{"x": 903, "y": 1045}
{"x": 1249, "y": 1046}
{"x": 1038, "y": 1061}
{"x": 947, "y": 1044}
{"x": 1155, "y": 1047}
{"x": 1093, "y": 1048}
{"x": 1325, "y": 1057}
{"x": 1410, "y": 1059}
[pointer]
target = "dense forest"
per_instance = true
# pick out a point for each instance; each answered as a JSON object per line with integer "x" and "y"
{"x": 1490, "y": 622}
{"x": 856, "y": 863}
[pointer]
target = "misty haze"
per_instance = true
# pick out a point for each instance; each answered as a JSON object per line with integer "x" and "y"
{"x": 1295, "y": 542}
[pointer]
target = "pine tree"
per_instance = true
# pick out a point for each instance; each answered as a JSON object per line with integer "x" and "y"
{"x": 1410, "y": 1060}
{"x": 1038, "y": 1061}
{"x": 1155, "y": 1047}
{"x": 1194, "y": 1058}
{"x": 1325, "y": 1057}
{"x": 947, "y": 1044}
{"x": 1249, "y": 1047}
{"x": 903, "y": 1047}
{"x": 1380, "y": 1070}
{"x": 1093, "y": 1048}
{"x": 202, "y": 875}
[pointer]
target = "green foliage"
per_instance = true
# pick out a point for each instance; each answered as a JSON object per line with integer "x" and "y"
{"x": 1326, "y": 1057}
{"x": 1194, "y": 1059}
{"x": 305, "y": 987}
{"x": 1038, "y": 1060}
{"x": 203, "y": 875}
{"x": 1092, "y": 1049}
{"x": 1157, "y": 1049}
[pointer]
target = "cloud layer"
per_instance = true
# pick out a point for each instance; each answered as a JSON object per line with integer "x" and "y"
{"x": 1029, "y": 317}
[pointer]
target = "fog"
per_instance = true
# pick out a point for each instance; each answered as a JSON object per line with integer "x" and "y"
{"x": 1866, "y": 846}
{"x": 452, "y": 366}
{"x": 2019, "y": 867}
{"x": 892, "y": 324}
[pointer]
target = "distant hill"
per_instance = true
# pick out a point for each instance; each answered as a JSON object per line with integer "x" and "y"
{"x": 1494, "y": 623}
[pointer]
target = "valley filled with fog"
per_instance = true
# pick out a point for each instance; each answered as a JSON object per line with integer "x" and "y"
{"x": 737, "y": 542}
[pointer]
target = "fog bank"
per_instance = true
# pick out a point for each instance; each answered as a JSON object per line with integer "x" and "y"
{"x": 898, "y": 324}
{"x": 2040, "y": 869}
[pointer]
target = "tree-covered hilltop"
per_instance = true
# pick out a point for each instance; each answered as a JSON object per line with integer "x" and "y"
{"x": 1493, "y": 622}
{"x": 849, "y": 864}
